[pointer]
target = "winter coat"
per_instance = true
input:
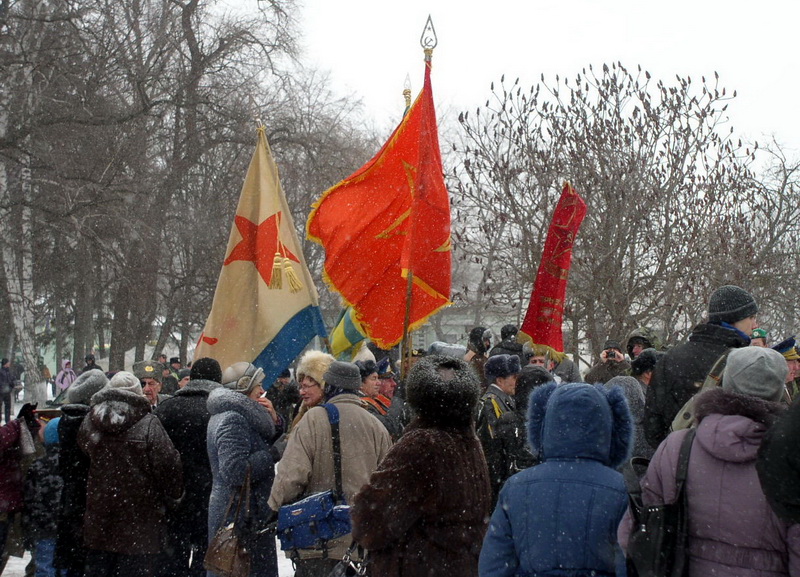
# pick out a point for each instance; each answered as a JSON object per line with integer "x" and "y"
{"x": 284, "y": 398}
{"x": 307, "y": 463}
{"x": 239, "y": 437}
{"x": 65, "y": 377}
{"x": 603, "y": 372}
{"x": 509, "y": 346}
{"x": 568, "y": 371}
{"x": 778, "y": 465}
{"x": 425, "y": 510}
{"x": 185, "y": 418}
{"x": 42, "y": 496}
{"x": 634, "y": 392}
{"x": 6, "y": 381}
{"x": 680, "y": 374}
{"x": 11, "y": 477}
{"x": 135, "y": 474}
{"x": 380, "y": 406}
{"x": 732, "y": 530}
{"x": 73, "y": 465}
{"x": 500, "y": 432}
{"x": 560, "y": 517}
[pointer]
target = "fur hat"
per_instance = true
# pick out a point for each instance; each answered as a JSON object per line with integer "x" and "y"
{"x": 443, "y": 390}
{"x": 242, "y": 377}
{"x": 646, "y": 361}
{"x": 148, "y": 370}
{"x": 578, "y": 420}
{"x": 126, "y": 381}
{"x": 366, "y": 368}
{"x": 730, "y": 304}
{"x": 314, "y": 364}
{"x": 755, "y": 371}
{"x": 86, "y": 385}
{"x": 501, "y": 366}
{"x": 508, "y": 331}
{"x": 341, "y": 375}
{"x": 206, "y": 369}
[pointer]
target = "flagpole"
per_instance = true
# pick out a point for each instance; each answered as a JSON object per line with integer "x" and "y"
{"x": 428, "y": 42}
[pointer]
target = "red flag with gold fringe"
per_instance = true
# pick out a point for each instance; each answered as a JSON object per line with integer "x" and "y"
{"x": 390, "y": 217}
{"x": 542, "y": 324}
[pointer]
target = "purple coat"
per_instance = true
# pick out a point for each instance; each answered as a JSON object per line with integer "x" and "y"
{"x": 732, "y": 530}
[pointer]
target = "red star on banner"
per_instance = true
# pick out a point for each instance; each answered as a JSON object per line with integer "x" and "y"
{"x": 259, "y": 244}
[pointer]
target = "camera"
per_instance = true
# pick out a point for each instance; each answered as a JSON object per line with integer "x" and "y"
{"x": 611, "y": 354}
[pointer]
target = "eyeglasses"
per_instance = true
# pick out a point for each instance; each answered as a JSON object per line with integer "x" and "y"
{"x": 307, "y": 387}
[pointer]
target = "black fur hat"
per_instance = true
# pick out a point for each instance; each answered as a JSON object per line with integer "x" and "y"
{"x": 443, "y": 391}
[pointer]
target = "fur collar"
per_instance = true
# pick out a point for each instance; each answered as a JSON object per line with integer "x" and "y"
{"x": 721, "y": 402}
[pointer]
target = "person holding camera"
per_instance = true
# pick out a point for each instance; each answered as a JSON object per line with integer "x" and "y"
{"x": 612, "y": 364}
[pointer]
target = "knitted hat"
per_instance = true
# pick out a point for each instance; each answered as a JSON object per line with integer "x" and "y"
{"x": 443, "y": 391}
{"x": 206, "y": 369}
{"x": 242, "y": 377}
{"x": 314, "y": 364}
{"x": 646, "y": 361}
{"x": 183, "y": 373}
{"x": 501, "y": 366}
{"x": 51, "y": 432}
{"x": 755, "y": 371}
{"x": 85, "y": 386}
{"x": 148, "y": 370}
{"x": 343, "y": 376}
{"x": 730, "y": 304}
{"x": 126, "y": 381}
{"x": 612, "y": 344}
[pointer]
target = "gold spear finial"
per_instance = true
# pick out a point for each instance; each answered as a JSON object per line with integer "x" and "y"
{"x": 407, "y": 91}
{"x": 428, "y": 40}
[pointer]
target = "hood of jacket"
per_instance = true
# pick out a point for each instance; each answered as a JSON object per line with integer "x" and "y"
{"x": 645, "y": 333}
{"x": 115, "y": 411}
{"x": 732, "y": 426}
{"x": 222, "y": 400}
{"x": 580, "y": 421}
{"x": 717, "y": 334}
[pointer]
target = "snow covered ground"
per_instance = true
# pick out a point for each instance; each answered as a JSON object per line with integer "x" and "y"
{"x": 16, "y": 566}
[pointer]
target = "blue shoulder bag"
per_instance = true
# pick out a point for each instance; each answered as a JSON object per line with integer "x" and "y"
{"x": 311, "y": 522}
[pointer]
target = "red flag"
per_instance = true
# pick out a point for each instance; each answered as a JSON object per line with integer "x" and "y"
{"x": 390, "y": 217}
{"x": 542, "y": 324}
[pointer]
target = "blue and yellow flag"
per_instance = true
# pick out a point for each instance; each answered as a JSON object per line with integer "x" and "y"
{"x": 346, "y": 336}
{"x": 266, "y": 307}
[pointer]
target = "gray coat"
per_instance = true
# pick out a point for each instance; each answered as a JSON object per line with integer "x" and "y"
{"x": 239, "y": 435}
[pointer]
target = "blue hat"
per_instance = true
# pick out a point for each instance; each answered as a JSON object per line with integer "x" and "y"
{"x": 51, "y": 432}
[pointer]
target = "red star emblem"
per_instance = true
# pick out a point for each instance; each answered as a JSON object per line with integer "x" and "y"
{"x": 259, "y": 244}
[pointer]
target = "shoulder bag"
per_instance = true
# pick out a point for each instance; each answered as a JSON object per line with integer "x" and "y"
{"x": 313, "y": 521}
{"x": 657, "y": 545}
{"x": 227, "y": 553}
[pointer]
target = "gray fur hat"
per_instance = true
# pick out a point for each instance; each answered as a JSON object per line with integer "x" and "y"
{"x": 85, "y": 386}
{"x": 342, "y": 375}
{"x": 501, "y": 366}
{"x": 755, "y": 371}
{"x": 444, "y": 391}
{"x": 126, "y": 381}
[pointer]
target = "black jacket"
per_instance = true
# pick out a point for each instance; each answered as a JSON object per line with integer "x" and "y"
{"x": 185, "y": 419}
{"x": 509, "y": 346}
{"x": 680, "y": 374}
{"x": 73, "y": 465}
{"x": 778, "y": 465}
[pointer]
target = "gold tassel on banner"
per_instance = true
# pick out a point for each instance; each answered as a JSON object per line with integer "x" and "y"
{"x": 294, "y": 281}
{"x": 276, "y": 281}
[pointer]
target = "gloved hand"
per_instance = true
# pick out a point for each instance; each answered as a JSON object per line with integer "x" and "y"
{"x": 27, "y": 412}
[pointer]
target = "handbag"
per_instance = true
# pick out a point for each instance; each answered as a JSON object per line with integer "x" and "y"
{"x": 318, "y": 518}
{"x": 657, "y": 544}
{"x": 350, "y": 565}
{"x": 227, "y": 553}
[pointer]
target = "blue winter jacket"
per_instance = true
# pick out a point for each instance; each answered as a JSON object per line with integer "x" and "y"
{"x": 560, "y": 518}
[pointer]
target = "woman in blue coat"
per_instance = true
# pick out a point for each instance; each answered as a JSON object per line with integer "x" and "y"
{"x": 560, "y": 517}
{"x": 240, "y": 435}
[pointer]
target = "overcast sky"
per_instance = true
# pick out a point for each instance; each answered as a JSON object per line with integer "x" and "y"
{"x": 369, "y": 46}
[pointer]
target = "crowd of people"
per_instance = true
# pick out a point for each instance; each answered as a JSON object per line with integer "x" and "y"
{"x": 491, "y": 459}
